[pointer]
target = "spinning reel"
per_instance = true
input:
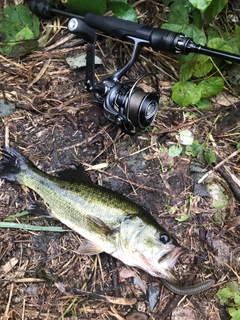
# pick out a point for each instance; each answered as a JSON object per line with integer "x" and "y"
{"x": 125, "y": 103}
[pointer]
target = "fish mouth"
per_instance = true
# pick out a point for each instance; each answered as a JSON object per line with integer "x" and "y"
{"x": 174, "y": 254}
{"x": 169, "y": 260}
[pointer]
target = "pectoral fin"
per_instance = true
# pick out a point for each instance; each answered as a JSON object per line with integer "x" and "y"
{"x": 98, "y": 226}
{"x": 89, "y": 248}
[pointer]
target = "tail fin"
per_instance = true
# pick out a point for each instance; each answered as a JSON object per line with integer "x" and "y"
{"x": 11, "y": 163}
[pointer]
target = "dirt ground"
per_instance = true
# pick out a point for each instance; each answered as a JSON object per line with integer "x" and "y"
{"x": 56, "y": 123}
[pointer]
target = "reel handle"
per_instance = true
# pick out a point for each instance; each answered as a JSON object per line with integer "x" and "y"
{"x": 81, "y": 29}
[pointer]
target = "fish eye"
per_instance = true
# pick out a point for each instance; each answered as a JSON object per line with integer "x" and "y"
{"x": 164, "y": 238}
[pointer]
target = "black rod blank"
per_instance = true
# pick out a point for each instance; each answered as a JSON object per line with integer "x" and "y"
{"x": 156, "y": 38}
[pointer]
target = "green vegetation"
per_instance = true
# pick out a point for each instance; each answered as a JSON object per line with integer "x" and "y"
{"x": 20, "y": 31}
{"x": 230, "y": 298}
{"x": 121, "y": 8}
{"x": 197, "y": 150}
{"x": 201, "y": 76}
{"x": 20, "y": 28}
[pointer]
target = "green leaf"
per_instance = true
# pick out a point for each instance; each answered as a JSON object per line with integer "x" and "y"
{"x": 237, "y": 31}
{"x": 166, "y": 2}
{"x": 230, "y": 295}
{"x": 189, "y": 30}
{"x": 12, "y": 225}
{"x": 197, "y": 19}
{"x": 193, "y": 64}
{"x": 24, "y": 34}
{"x": 197, "y": 35}
{"x": 203, "y": 104}
{"x": 21, "y": 48}
{"x": 123, "y": 10}
{"x": 212, "y": 33}
{"x": 86, "y": 6}
{"x": 195, "y": 149}
{"x": 234, "y": 313}
{"x": 238, "y": 146}
{"x": 205, "y": 67}
{"x": 214, "y": 8}
{"x": 173, "y": 27}
{"x": 200, "y": 4}
{"x": 220, "y": 44}
{"x": 20, "y": 31}
{"x": 211, "y": 86}
{"x": 184, "y": 3}
{"x": 186, "y": 93}
{"x": 187, "y": 66}
{"x": 15, "y": 18}
{"x": 14, "y": 217}
{"x": 183, "y": 217}
{"x": 234, "y": 43}
{"x": 220, "y": 216}
{"x": 210, "y": 156}
{"x": 178, "y": 13}
{"x": 174, "y": 151}
{"x": 224, "y": 294}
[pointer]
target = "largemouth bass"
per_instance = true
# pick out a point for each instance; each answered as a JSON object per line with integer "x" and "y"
{"x": 109, "y": 221}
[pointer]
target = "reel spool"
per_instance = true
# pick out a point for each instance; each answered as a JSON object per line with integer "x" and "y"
{"x": 130, "y": 107}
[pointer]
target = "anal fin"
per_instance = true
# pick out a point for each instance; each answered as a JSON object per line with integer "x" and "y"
{"x": 39, "y": 208}
{"x": 89, "y": 248}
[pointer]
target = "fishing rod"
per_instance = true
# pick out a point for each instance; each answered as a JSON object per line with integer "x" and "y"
{"x": 125, "y": 103}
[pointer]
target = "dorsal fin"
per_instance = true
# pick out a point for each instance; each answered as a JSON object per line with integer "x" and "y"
{"x": 74, "y": 173}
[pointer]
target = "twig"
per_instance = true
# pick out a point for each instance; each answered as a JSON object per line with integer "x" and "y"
{"x": 229, "y": 157}
{"x": 5, "y": 316}
{"x": 40, "y": 73}
{"x": 218, "y": 165}
{"x": 22, "y": 280}
{"x": 6, "y": 135}
{"x": 232, "y": 180}
{"x": 12, "y": 62}
{"x": 172, "y": 304}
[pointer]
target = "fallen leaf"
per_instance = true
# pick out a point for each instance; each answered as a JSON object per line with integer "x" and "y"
{"x": 235, "y": 222}
{"x": 6, "y": 108}
{"x": 80, "y": 61}
{"x": 7, "y": 267}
